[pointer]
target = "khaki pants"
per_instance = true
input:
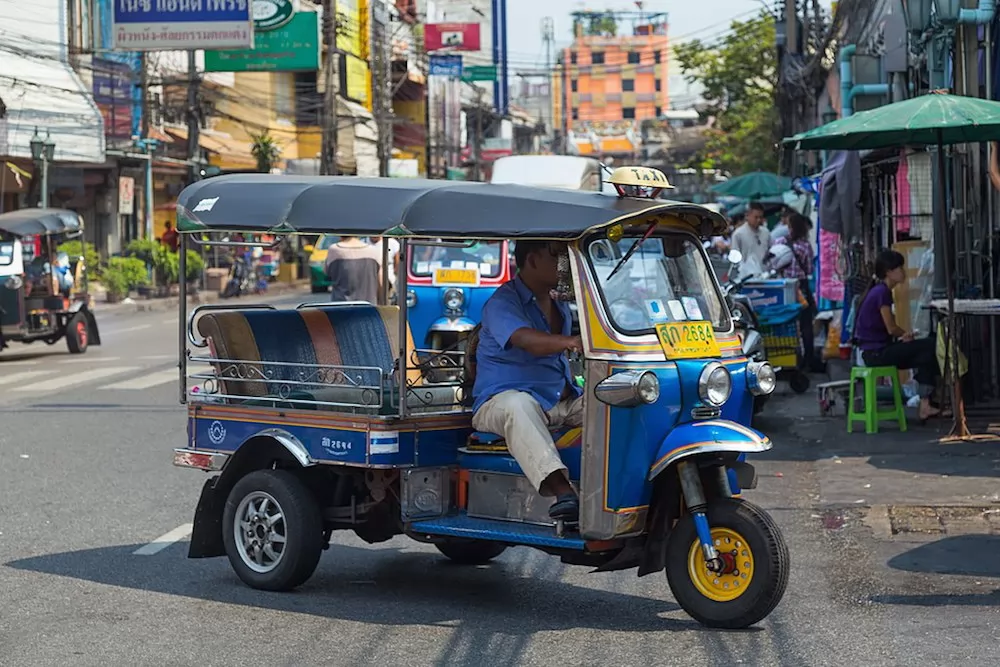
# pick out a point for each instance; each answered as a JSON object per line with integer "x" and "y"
{"x": 518, "y": 417}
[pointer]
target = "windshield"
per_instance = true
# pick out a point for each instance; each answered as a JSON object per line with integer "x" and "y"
{"x": 666, "y": 280}
{"x": 483, "y": 257}
{"x": 6, "y": 254}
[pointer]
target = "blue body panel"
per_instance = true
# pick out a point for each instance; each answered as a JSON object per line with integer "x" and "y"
{"x": 638, "y": 433}
{"x": 505, "y": 463}
{"x": 430, "y": 308}
{"x": 510, "y": 532}
{"x": 336, "y": 445}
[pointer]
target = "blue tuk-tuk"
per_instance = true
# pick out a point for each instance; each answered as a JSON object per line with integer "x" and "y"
{"x": 447, "y": 285}
{"x": 322, "y": 418}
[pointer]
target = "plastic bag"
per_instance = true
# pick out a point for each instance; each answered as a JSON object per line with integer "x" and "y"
{"x": 942, "y": 343}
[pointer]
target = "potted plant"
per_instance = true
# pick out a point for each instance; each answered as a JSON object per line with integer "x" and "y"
{"x": 121, "y": 275}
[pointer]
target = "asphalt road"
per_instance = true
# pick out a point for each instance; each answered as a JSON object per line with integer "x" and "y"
{"x": 86, "y": 481}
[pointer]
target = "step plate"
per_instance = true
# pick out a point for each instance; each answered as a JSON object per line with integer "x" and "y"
{"x": 498, "y": 531}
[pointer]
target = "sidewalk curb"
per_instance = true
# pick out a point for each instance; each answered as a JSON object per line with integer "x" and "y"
{"x": 173, "y": 302}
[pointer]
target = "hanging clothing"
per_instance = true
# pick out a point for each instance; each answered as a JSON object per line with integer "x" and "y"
{"x": 841, "y": 191}
{"x": 830, "y": 286}
{"x": 902, "y": 203}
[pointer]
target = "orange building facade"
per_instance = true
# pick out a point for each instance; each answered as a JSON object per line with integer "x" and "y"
{"x": 608, "y": 85}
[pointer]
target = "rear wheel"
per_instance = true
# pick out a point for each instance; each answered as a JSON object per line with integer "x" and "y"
{"x": 471, "y": 552}
{"x": 799, "y": 382}
{"x": 754, "y": 559}
{"x": 77, "y": 334}
{"x": 272, "y": 530}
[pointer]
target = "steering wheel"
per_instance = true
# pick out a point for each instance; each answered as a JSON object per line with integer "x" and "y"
{"x": 629, "y": 314}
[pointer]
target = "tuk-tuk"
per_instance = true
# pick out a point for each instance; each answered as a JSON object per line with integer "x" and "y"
{"x": 45, "y": 298}
{"x": 321, "y": 418}
{"x": 447, "y": 285}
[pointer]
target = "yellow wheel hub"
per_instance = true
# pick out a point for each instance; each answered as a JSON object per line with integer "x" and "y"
{"x": 737, "y": 560}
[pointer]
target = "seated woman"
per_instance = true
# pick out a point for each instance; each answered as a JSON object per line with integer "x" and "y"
{"x": 885, "y": 343}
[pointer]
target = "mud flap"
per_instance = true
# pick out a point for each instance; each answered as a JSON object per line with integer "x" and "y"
{"x": 206, "y": 534}
{"x": 665, "y": 507}
{"x": 93, "y": 335}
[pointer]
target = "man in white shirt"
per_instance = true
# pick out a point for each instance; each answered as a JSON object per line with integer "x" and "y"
{"x": 752, "y": 238}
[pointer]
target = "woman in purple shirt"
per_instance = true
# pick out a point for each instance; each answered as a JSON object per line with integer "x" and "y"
{"x": 885, "y": 343}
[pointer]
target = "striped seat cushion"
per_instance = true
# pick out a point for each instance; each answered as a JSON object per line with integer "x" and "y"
{"x": 263, "y": 351}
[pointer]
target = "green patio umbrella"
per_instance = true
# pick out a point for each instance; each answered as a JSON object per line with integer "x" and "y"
{"x": 936, "y": 119}
{"x": 755, "y": 185}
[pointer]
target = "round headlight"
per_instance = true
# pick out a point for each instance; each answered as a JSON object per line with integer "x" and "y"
{"x": 453, "y": 299}
{"x": 761, "y": 378}
{"x": 411, "y": 298}
{"x": 648, "y": 388}
{"x": 715, "y": 385}
{"x": 13, "y": 282}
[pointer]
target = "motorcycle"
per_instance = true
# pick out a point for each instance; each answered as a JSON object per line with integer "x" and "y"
{"x": 745, "y": 319}
{"x": 242, "y": 278}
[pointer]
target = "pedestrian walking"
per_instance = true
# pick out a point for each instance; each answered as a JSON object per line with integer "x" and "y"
{"x": 354, "y": 269}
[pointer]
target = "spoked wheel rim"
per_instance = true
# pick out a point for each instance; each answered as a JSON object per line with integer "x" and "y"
{"x": 260, "y": 531}
{"x": 736, "y": 571}
{"x": 81, "y": 333}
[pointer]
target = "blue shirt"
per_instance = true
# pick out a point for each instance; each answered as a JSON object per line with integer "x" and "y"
{"x": 503, "y": 367}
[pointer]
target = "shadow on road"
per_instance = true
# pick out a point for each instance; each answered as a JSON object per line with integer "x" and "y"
{"x": 968, "y": 555}
{"x": 515, "y": 597}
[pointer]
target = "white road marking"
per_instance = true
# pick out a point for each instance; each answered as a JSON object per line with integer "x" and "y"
{"x": 158, "y": 356}
{"x": 164, "y": 541}
{"x": 15, "y": 378}
{"x": 19, "y": 362}
{"x": 65, "y": 381}
{"x": 88, "y": 359}
{"x": 139, "y": 327}
{"x": 146, "y": 381}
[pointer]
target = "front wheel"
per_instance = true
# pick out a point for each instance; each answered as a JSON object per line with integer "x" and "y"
{"x": 272, "y": 530}
{"x": 755, "y": 566}
{"x": 471, "y": 552}
{"x": 77, "y": 334}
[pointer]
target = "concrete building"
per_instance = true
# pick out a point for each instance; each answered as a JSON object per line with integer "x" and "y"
{"x": 613, "y": 76}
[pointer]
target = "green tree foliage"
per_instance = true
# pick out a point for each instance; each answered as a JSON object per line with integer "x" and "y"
{"x": 265, "y": 151}
{"x": 739, "y": 75}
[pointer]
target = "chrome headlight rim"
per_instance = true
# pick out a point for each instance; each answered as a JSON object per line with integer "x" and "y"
{"x": 454, "y": 299}
{"x": 629, "y": 389}
{"x": 13, "y": 282}
{"x": 761, "y": 378}
{"x": 706, "y": 388}
{"x": 411, "y": 298}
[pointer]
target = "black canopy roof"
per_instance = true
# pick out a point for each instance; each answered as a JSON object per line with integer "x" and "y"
{"x": 40, "y": 222}
{"x": 410, "y": 207}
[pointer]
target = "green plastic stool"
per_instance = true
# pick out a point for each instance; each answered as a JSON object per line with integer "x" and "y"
{"x": 872, "y": 415}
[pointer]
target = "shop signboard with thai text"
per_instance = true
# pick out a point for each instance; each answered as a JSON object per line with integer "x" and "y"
{"x": 169, "y": 25}
{"x": 453, "y": 36}
{"x": 292, "y": 47}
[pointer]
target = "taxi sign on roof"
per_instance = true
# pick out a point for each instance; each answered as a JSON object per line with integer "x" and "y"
{"x": 644, "y": 182}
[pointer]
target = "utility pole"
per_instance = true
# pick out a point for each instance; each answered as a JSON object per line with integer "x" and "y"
{"x": 477, "y": 146}
{"x": 331, "y": 110}
{"x": 382, "y": 88}
{"x": 548, "y": 36}
{"x": 194, "y": 117}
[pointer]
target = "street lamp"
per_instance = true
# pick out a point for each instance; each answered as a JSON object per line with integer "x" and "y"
{"x": 44, "y": 151}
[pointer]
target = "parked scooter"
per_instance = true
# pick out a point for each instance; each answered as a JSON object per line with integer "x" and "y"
{"x": 744, "y": 317}
{"x": 242, "y": 278}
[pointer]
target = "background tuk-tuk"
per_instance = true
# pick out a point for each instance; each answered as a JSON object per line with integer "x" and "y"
{"x": 447, "y": 285}
{"x": 46, "y": 298}
{"x": 321, "y": 417}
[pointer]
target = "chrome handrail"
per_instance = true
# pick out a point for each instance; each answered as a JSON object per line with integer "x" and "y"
{"x": 217, "y": 306}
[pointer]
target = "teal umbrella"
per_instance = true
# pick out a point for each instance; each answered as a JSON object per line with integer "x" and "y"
{"x": 755, "y": 185}
{"x": 936, "y": 119}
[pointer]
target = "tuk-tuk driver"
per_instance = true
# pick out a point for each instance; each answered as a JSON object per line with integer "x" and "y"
{"x": 523, "y": 381}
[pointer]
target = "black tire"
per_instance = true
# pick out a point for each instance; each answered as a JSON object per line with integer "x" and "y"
{"x": 303, "y": 530}
{"x": 759, "y": 402}
{"x": 799, "y": 382}
{"x": 771, "y": 566}
{"x": 77, "y": 334}
{"x": 471, "y": 552}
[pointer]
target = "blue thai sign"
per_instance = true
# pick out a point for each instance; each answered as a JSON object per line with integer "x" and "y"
{"x": 450, "y": 66}
{"x": 170, "y": 25}
{"x": 117, "y": 75}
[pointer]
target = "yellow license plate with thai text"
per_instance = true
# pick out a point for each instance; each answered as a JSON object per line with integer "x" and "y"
{"x": 687, "y": 340}
{"x": 464, "y": 277}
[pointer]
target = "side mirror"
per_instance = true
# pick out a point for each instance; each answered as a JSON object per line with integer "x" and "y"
{"x": 735, "y": 256}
